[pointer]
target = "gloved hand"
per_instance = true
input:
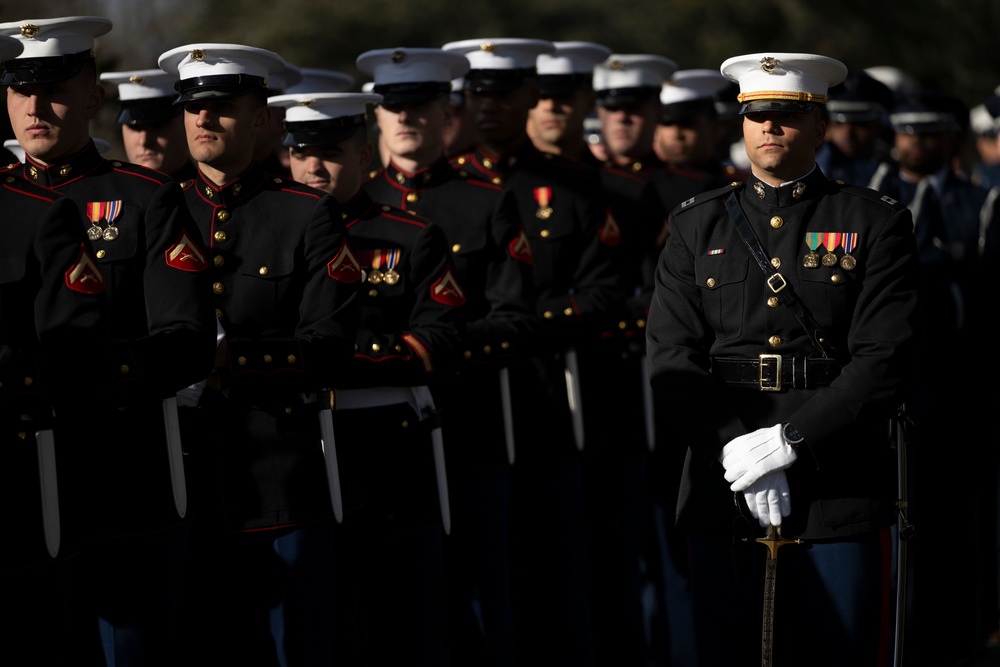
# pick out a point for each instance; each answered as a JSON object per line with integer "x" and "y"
{"x": 751, "y": 456}
{"x": 769, "y": 499}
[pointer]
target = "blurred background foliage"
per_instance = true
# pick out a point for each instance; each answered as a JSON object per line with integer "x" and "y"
{"x": 948, "y": 45}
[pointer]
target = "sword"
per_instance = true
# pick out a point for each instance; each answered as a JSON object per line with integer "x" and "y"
{"x": 573, "y": 395}
{"x": 425, "y": 402}
{"x": 175, "y": 455}
{"x": 647, "y": 405}
{"x": 508, "y": 413}
{"x": 904, "y": 531}
{"x": 328, "y": 443}
{"x": 49, "y": 483}
{"x": 772, "y": 541}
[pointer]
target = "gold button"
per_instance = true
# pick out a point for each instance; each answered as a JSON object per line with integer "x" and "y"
{"x": 218, "y": 313}
{"x": 21, "y": 435}
{"x": 505, "y": 345}
{"x": 710, "y": 282}
{"x": 467, "y": 354}
{"x": 487, "y": 163}
{"x": 218, "y": 260}
{"x": 622, "y": 325}
{"x": 373, "y": 293}
{"x": 28, "y": 381}
{"x": 222, "y": 215}
{"x": 405, "y": 424}
{"x": 220, "y": 236}
{"x": 835, "y": 279}
{"x": 288, "y": 410}
{"x": 101, "y": 254}
{"x": 487, "y": 349}
{"x": 773, "y": 301}
{"x": 124, "y": 369}
{"x": 641, "y": 323}
{"x": 776, "y": 262}
{"x": 457, "y": 247}
{"x": 412, "y": 197}
{"x": 774, "y": 341}
{"x": 777, "y": 222}
{"x": 567, "y": 311}
{"x": 496, "y": 180}
{"x": 375, "y": 347}
{"x": 218, "y": 288}
{"x": 547, "y": 314}
{"x": 268, "y": 359}
{"x": 397, "y": 348}
{"x": 242, "y": 361}
{"x": 262, "y": 270}
{"x": 544, "y": 233}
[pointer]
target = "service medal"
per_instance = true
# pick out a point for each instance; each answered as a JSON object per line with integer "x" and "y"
{"x": 544, "y": 197}
{"x": 94, "y": 233}
{"x": 111, "y": 233}
{"x": 848, "y": 261}
{"x": 375, "y": 276}
{"x": 830, "y": 241}
{"x": 390, "y": 277}
{"x": 811, "y": 260}
{"x": 391, "y": 258}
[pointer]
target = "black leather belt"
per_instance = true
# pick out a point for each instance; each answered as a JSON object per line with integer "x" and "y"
{"x": 772, "y": 372}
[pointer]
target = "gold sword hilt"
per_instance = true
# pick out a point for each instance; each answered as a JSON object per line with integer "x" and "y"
{"x": 773, "y": 540}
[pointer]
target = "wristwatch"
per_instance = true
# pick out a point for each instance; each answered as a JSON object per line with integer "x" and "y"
{"x": 791, "y": 436}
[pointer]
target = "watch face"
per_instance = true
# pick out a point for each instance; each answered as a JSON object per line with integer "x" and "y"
{"x": 791, "y": 435}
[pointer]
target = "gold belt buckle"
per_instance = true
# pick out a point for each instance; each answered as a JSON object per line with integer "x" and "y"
{"x": 770, "y": 361}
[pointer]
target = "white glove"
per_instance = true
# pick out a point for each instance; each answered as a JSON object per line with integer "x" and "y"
{"x": 769, "y": 499}
{"x": 751, "y": 456}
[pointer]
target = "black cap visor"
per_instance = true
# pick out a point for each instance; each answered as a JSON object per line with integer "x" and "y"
{"x": 626, "y": 98}
{"x": 554, "y": 85}
{"x": 411, "y": 92}
{"x": 321, "y": 132}
{"x": 151, "y": 111}
{"x": 500, "y": 80}
{"x": 217, "y": 86}
{"x": 28, "y": 71}
{"x": 780, "y": 106}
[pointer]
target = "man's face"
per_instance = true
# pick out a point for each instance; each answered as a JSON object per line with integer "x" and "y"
{"x": 924, "y": 153}
{"x": 628, "y": 130}
{"x": 690, "y": 141}
{"x": 221, "y": 132}
{"x": 413, "y": 130}
{"x": 558, "y": 118}
{"x": 782, "y": 145}
{"x": 52, "y": 120}
{"x": 856, "y": 140}
{"x": 337, "y": 169}
{"x": 500, "y": 117}
{"x": 160, "y": 146}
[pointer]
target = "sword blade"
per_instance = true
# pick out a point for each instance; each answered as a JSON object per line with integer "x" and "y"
{"x": 573, "y": 396}
{"x": 175, "y": 455}
{"x": 49, "y": 483}
{"x": 442, "y": 479}
{"x": 329, "y": 445}
{"x": 647, "y": 405}
{"x": 767, "y": 627}
{"x": 508, "y": 413}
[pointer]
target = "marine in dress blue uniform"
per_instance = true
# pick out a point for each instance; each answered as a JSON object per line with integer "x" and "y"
{"x": 283, "y": 286}
{"x": 856, "y": 138}
{"x": 492, "y": 261}
{"x": 50, "y": 305}
{"x": 157, "y": 324}
{"x": 576, "y": 275}
{"x": 802, "y": 447}
{"x": 151, "y": 124}
{"x": 949, "y": 214}
{"x": 396, "y": 495}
